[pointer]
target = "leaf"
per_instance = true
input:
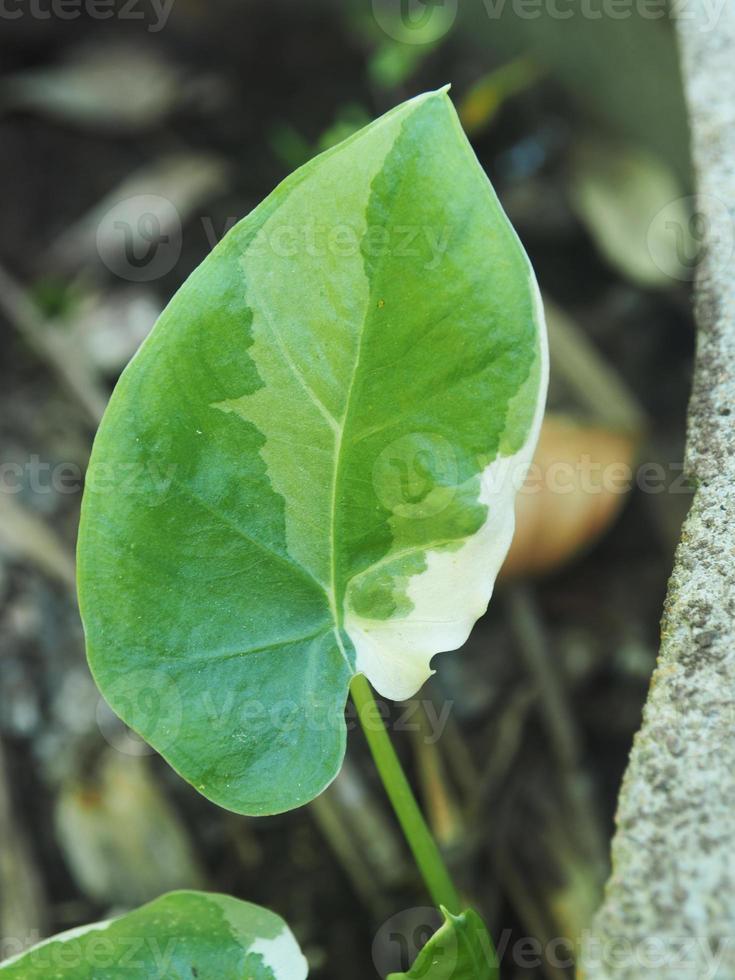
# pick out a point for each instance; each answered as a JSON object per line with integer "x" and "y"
{"x": 308, "y": 469}
{"x": 460, "y": 949}
{"x": 183, "y": 934}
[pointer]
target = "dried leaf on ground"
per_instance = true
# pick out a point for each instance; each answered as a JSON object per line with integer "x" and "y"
{"x": 122, "y": 840}
{"x": 118, "y": 87}
{"x": 575, "y": 488}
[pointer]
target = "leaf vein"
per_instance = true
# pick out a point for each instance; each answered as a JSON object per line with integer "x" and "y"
{"x": 290, "y": 364}
{"x": 221, "y": 656}
{"x": 205, "y": 505}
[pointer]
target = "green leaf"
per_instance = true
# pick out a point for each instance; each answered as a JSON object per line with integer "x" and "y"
{"x": 181, "y": 935}
{"x": 308, "y": 470}
{"x": 460, "y": 949}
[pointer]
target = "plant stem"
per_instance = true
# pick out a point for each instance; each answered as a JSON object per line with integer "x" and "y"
{"x": 422, "y": 844}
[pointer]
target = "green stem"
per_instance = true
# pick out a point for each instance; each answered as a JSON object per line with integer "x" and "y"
{"x": 422, "y": 844}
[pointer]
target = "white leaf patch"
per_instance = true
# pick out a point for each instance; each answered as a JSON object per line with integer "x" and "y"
{"x": 450, "y": 595}
{"x": 282, "y": 956}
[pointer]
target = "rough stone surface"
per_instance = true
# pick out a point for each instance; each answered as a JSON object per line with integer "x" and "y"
{"x": 669, "y": 909}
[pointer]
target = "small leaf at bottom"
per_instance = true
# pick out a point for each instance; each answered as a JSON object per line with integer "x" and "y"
{"x": 461, "y": 949}
{"x": 182, "y": 934}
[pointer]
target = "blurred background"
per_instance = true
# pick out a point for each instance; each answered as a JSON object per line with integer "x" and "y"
{"x": 133, "y": 135}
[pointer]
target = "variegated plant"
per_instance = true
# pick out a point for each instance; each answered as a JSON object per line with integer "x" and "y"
{"x": 183, "y": 934}
{"x": 308, "y": 471}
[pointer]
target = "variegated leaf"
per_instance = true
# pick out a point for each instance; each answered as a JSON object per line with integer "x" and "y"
{"x": 183, "y": 934}
{"x": 309, "y": 468}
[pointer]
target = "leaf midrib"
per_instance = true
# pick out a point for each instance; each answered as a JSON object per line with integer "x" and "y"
{"x": 338, "y": 442}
